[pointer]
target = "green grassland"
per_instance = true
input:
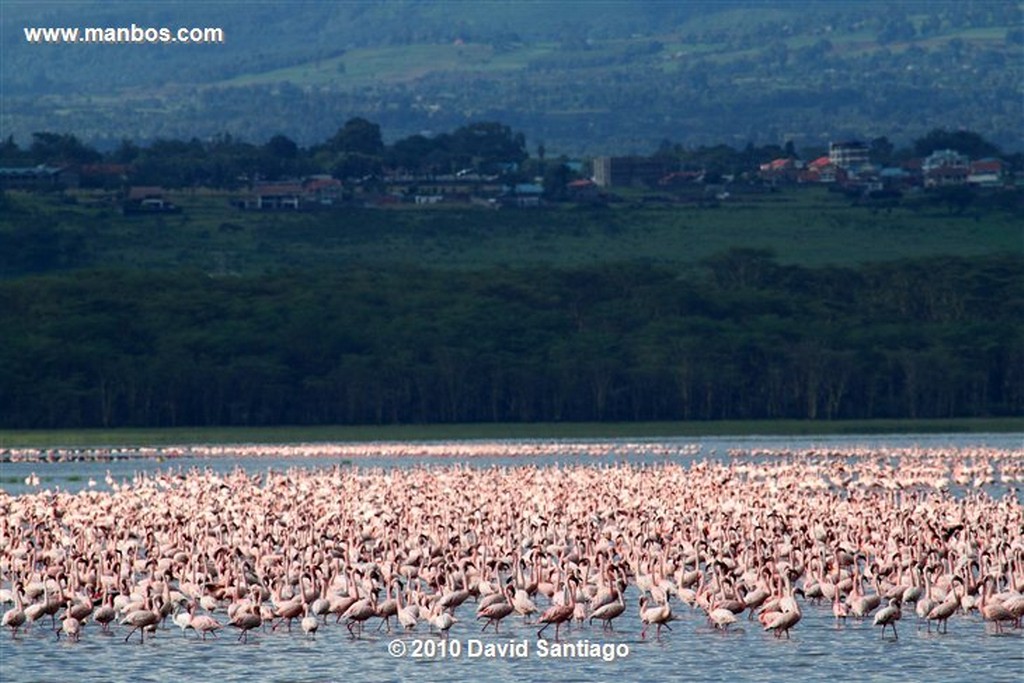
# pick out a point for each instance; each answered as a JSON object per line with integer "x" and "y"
{"x": 85, "y": 438}
{"x": 805, "y": 226}
{"x": 363, "y": 67}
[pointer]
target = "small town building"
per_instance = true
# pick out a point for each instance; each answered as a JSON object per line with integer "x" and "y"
{"x": 848, "y": 155}
{"x": 783, "y": 170}
{"x": 632, "y": 171}
{"x": 147, "y": 199}
{"x": 822, "y": 170}
{"x": 37, "y": 178}
{"x": 583, "y": 190}
{"x": 274, "y": 196}
{"x": 986, "y": 172}
{"x": 945, "y": 167}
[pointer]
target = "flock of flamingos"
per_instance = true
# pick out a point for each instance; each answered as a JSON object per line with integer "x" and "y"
{"x": 903, "y": 536}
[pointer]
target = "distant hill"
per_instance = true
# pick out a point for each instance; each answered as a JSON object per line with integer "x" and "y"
{"x": 579, "y": 78}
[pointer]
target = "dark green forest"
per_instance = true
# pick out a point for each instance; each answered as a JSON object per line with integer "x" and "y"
{"x": 740, "y": 337}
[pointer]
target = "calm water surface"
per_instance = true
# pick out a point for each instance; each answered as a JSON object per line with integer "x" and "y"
{"x": 819, "y": 650}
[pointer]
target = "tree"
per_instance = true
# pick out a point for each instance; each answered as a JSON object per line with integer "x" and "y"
{"x": 411, "y": 152}
{"x": 964, "y": 141}
{"x": 58, "y": 148}
{"x": 126, "y": 152}
{"x": 11, "y": 154}
{"x": 488, "y": 144}
{"x": 880, "y": 150}
{"x": 556, "y": 180}
{"x": 281, "y": 147}
{"x": 355, "y": 165}
{"x": 358, "y": 136}
{"x": 741, "y": 267}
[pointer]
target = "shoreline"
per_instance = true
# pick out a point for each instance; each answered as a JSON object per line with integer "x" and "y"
{"x": 128, "y": 437}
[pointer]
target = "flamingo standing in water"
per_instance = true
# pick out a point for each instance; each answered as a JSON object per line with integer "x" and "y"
{"x": 441, "y": 619}
{"x": 407, "y": 615}
{"x": 140, "y": 620}
{"x": 246, "y": 620}
{"x": 521, "y": 601}
{"x": 659, "y": 615}
{"x": 387, "y": 609}
{"x": 611, "y": 610}
{"x": 310, "y": 624}
{"x": 559, "y": 614}
{"x": 14, "y": 618}
{"x": 496, "y": 611}
{"x": 722, "y": 617}
{"x": 781, "y": 622}
{"x": 789, "y": 614}
{"x": 992, "y": 611}
{"x": 70, "y": 627}
{"x": 523, "y": 605}
{"x": 105, "y": 613}
{"x": 888, "y": 616}
{"x": 183, "y": 620}
{"x": 247, "y": 616}
{"x": 839, "y": 610}
{"x": 287, "y": 610}
{"x": 204, "y": 623}
{"x": 942, "y": 612}
{"x": 359, "y": 613}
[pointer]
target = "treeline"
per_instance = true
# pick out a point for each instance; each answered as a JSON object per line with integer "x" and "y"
{"x": 357, "y": 153}
{"x": 742, "y": 338}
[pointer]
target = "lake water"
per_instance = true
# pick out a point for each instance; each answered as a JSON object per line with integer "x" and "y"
{"x": 121, "y": 464}
{"x": 818, "y": 649}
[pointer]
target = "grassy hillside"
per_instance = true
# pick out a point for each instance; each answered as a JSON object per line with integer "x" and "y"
{"x": 805, "y": 226}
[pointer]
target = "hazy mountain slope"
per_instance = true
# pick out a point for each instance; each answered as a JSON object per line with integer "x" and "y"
{"x": 581, "y": 77}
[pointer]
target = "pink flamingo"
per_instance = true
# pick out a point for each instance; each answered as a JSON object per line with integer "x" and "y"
{"x": 14, "y": 618}
{"x": 659, "y": 615}
{"x": 496, "y": 611}
{"x": 559, "y": 614}
{"x": 611, "y": 610}
{"x": 888, "y": 616}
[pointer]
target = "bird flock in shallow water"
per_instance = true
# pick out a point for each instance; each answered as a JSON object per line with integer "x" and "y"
{"x": 893, "y": 536}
